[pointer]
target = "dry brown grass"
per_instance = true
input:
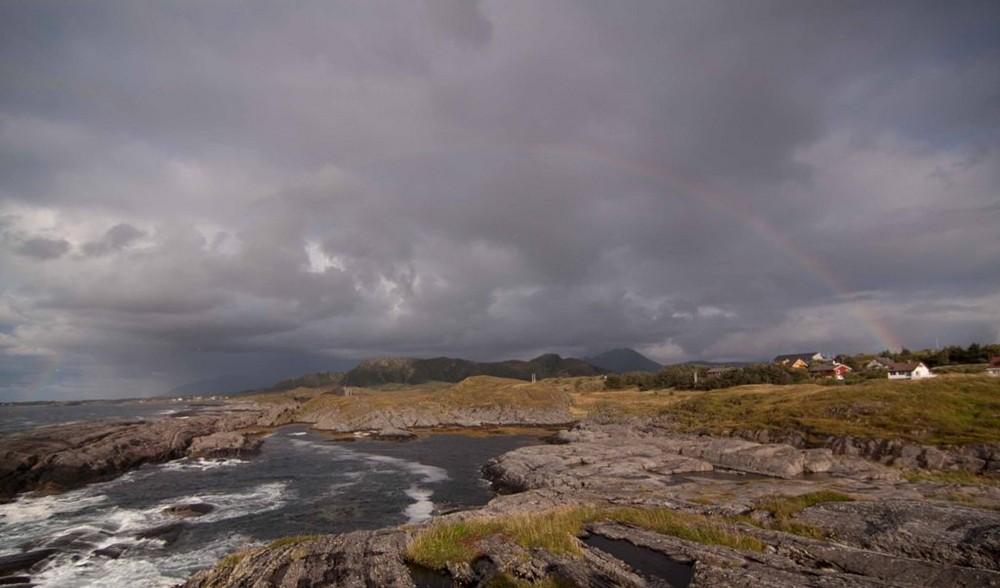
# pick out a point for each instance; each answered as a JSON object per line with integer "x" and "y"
{"x": 953, "y": 409}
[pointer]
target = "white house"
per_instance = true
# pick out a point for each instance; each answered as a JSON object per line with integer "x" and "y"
{"x": 912, "y": 370}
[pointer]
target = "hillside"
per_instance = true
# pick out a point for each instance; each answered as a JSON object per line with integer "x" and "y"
{"x": 948, "y": 410}
{"x": 406, "y": 370}
{"x": 623, "y": 360}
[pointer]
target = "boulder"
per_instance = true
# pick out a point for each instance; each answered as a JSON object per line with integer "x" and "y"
{"x": 195, "y": 509}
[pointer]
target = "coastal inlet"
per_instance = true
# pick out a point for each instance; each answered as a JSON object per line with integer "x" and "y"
{"x": 156, "y": 525}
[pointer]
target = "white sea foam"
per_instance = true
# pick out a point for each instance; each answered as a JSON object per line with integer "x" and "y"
{"x": 335, "y": 452}
{"x": 298, "y": 434}
{"x": 182, "y": 564}
{"x": 64, "y": 571}
{"x": 422, "y": 507}
{"x": 200, "y": 464}
{"x": 428, "y": 474}
{"x": 33, "y": 509}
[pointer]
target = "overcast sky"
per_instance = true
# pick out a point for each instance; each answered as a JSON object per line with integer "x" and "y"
{"x": 194, "y": 189}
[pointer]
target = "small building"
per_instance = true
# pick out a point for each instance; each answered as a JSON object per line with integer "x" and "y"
{"x": 911, "y": 370}
{"x": 799, "y": 360}
{"x": 879, "y": 363}
{"x": 994, "y": 368}
{"x": 717, "y": 372}
{"x": 833, "y": 370}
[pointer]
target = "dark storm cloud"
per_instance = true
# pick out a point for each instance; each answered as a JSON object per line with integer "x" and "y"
{"x": 117, "y": 237}
{"x": 214, "y": 187}
{"x": 42, "y": 249}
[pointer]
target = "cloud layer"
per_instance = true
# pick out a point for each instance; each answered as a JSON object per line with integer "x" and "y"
{"x": 196, "y": 189}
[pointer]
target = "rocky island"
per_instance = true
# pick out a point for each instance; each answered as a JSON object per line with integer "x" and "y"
{"x": 656, "y": 488}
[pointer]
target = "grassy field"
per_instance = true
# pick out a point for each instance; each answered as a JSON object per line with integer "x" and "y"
{"x": 948, "y": 410}
{"x": 432, "y": 398}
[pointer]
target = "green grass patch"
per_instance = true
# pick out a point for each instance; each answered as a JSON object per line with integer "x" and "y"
{"x": 506, "y": 580}
{"x": 691, "y": 527}
{"x": 782, "y": 509}
{"x": 556, "y": 531}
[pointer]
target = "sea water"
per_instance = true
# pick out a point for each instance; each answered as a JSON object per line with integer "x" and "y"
{"x": 21, "y": 416}
{"x": 118, "y": 533}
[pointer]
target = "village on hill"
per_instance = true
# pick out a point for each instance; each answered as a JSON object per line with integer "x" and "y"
{"x": 815, "y": 366}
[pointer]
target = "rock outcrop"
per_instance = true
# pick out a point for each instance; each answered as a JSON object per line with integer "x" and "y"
{"x": 63, "y": 457}
{"x": 224, "y": 444}
{"x": 978, "y": 458}
{"x": 361, "y": 558}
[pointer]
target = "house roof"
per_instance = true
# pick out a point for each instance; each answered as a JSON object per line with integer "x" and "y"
{"x": 882, "y": 360}
{"x": 792, "y": 357}
{"x": 995, "y": 362}
{"x": 908, "y": 366}
{"x": 828, "y": 367}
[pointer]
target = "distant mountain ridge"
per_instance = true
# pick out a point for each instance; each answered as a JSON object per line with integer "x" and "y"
{"x": 623, "y": 360}
{"x": 408, "y": 370}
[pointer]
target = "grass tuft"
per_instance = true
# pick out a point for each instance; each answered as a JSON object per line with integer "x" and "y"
{"x": 556, "y": 531}
{"x": 292, "y": 540}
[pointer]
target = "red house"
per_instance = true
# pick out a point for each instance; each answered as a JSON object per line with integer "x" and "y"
{"x": 829, "y": 370}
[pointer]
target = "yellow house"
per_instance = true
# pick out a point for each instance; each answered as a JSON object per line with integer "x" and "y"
{"x": 799, "y": 360}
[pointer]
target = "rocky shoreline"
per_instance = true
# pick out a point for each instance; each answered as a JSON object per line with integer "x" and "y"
{"x": 892, "y": 531}
{"x": 57, "y": 458}
{"x": 889, "y": 532}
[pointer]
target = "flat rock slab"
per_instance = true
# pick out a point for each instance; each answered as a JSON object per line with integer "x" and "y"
{"x": 588, "y": 464}
{"x": 603, "y": 461}
{"x": 938, "y": 532}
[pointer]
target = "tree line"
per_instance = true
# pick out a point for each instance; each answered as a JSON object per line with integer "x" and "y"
{"x": 693, "y": 377}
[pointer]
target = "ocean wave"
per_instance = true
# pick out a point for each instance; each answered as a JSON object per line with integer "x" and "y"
{"x": 65, "y": 571}
{"x": 262, "y": 498}
{"x": 35, "y": 509}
